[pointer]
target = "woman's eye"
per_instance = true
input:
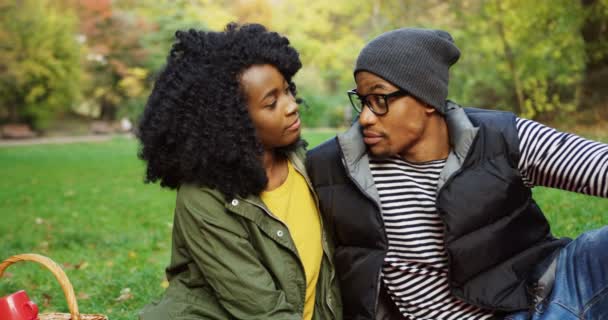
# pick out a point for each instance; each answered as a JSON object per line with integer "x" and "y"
{"x": 272, "y": 105}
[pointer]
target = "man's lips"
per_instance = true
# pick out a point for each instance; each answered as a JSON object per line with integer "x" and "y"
{"x": 294, "y": 126}
{"x": 370, "y": 137}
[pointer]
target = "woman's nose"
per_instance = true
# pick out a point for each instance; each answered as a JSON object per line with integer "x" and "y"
{"x": 292, "y": 105}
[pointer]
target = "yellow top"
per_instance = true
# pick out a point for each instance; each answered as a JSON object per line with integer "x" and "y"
{"x": 295, "y": 206}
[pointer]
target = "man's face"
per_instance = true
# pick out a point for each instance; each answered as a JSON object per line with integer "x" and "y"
{"x": 399, "y": 131}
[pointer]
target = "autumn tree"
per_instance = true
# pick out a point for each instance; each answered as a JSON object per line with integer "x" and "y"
{"x": 115, "y": 57}
{"x": 164, "y": 19}
{"x": 39, "y": 61}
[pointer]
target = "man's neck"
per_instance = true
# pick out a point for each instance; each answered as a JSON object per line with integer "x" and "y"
{"x": 434, "y": 143}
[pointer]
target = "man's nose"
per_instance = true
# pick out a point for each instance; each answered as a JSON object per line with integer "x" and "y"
{"x": 367, "y": 117}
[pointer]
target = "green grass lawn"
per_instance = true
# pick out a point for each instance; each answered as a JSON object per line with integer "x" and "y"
{"x": 86, "y": 207}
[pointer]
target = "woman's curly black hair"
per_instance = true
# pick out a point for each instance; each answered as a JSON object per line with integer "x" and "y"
{"x": 196, "y": 127}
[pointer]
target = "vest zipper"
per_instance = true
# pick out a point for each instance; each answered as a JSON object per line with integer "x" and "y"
{"x": 447, "y": 181}
{"x": 379, "y": 276}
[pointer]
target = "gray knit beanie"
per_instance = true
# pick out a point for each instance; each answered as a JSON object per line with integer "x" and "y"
{"x": 415, "y": 60}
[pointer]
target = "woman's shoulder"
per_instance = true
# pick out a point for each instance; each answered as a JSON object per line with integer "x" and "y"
{"x": 197, "y": 206}
{"x": 190, "y": 190}
{"x": 193, "y": 191}
{"x": 199, "y": 200}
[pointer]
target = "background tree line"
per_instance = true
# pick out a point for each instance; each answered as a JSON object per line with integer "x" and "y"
{"x": 546, "y": 60}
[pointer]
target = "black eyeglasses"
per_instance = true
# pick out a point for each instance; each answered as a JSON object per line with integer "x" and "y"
{"x": 376, "y": 102}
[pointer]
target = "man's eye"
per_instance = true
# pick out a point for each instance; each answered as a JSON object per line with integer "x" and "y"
{"x": 373, "y": 99}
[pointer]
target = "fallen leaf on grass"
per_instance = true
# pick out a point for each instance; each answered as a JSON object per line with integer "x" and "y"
{"x": 78, "y": 266}
{"x": 164, "y": 284}
{"x": 7, "y": 275}
{"x": 46, "y": 300}
{"x": 83, "y": 296}
{"x": 82, "y": 265}
{"x": 125, "y": 294}
{"x": 43, "y": 245}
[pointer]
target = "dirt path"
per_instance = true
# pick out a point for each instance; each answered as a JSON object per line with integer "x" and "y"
{"x": 58, "y": 140}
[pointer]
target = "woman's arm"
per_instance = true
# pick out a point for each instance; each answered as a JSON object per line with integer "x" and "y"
{"x": 221, "y": 249}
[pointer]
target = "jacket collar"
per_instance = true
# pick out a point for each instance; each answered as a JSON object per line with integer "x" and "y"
{"x": 462, "y": 134}
{"x": 296, "y": 158}
{"x": 461, "y": 130}
{"x": 356, "y": 160}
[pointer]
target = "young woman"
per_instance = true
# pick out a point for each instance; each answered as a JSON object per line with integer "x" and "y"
{"x": 222, "y": 127}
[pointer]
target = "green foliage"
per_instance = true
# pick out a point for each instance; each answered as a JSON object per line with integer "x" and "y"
{"x": 538, "y": 59}
{"x": 523, "y": 56}
{"x": 39, "y": 61}
{"x": 324, "y": 111}
{"x": 597, "y": 12}
{"x": 167, "y": 18}
{"x": 325, "y": 33}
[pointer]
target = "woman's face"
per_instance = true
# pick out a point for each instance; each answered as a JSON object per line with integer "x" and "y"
{"x": 272, "y": 107}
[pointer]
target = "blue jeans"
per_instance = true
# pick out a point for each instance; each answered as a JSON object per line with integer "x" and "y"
{"x": 580, "y": 290}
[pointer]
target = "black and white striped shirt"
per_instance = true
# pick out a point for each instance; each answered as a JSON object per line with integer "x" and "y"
{"x": 415, "y": 267}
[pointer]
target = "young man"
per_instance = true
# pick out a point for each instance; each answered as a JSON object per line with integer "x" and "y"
{"x": 431, "y": 203}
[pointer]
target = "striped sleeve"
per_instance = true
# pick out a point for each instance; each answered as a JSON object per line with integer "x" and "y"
{"x": 561, "y": 160}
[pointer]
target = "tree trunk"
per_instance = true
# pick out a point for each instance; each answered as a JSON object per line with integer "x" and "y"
{"x": 108, "y": 111}
{"x": 512, "y": 66}
{"x": 13, "y": 107}
{"x": 13, "y": 115}
{"x": 595, "y": 35}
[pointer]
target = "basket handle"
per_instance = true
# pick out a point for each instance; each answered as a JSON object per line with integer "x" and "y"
{"x": 52, "y": 266}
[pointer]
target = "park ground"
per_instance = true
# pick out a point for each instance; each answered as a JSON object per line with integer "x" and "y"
{"x": 84, "y": 204}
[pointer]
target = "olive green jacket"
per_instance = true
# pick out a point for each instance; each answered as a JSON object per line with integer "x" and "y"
{"x": 235, "y": 260}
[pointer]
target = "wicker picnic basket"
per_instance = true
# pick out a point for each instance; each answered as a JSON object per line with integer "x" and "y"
{"x": 68, "y": 290}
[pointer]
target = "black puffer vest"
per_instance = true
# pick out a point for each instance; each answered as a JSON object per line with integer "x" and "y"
{"x": 495, "y": 234}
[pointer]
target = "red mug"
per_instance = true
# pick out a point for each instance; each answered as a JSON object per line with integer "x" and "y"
{"x": 18, "y": 306}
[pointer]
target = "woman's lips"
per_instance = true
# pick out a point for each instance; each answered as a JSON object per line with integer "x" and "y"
{"x": 294, "y": 126}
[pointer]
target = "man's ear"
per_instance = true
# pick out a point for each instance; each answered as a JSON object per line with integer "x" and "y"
{"x": 429, "y": 109}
